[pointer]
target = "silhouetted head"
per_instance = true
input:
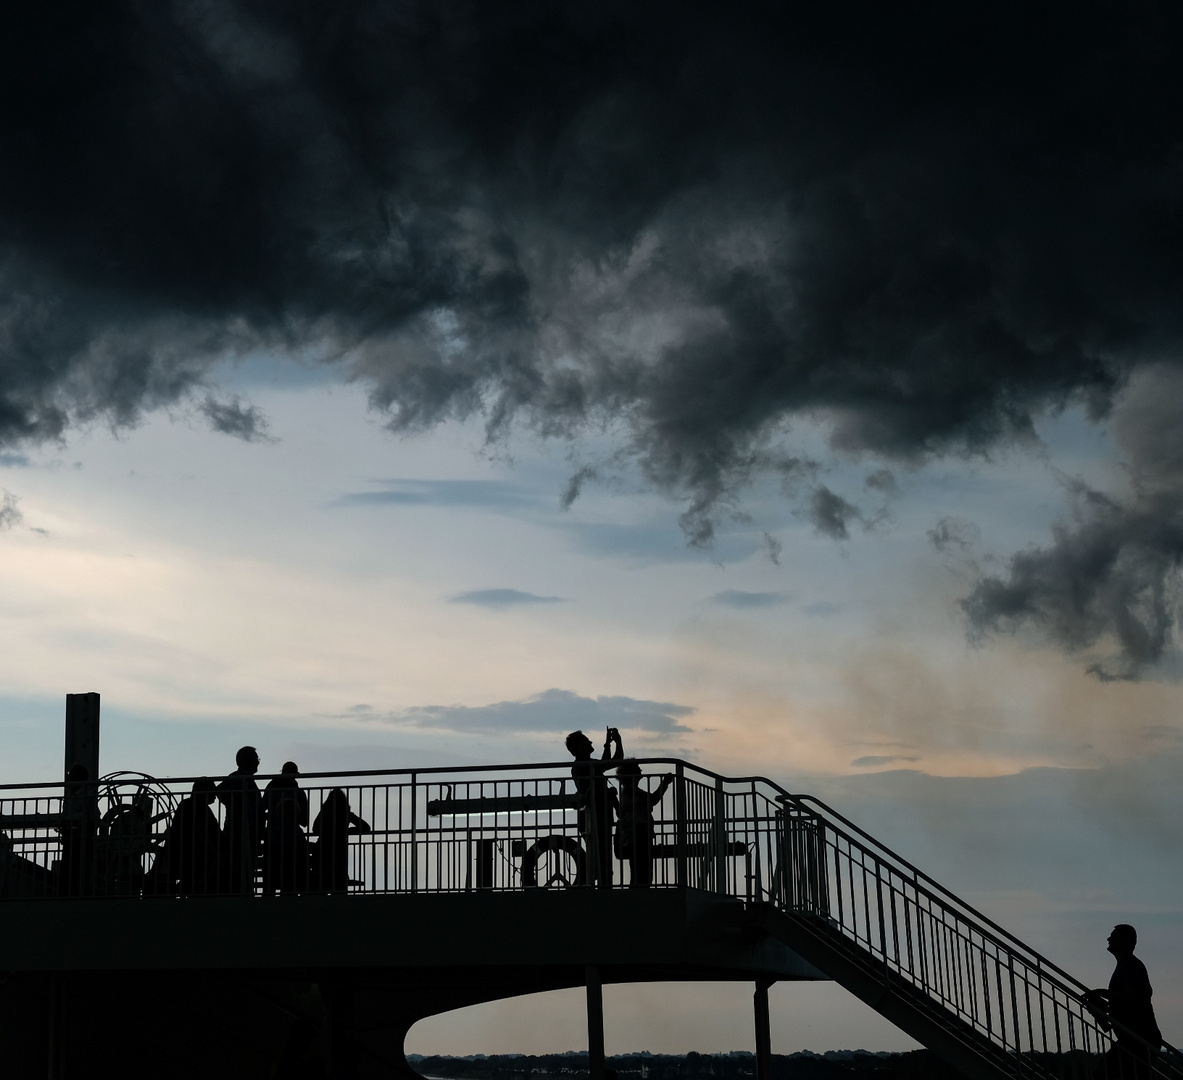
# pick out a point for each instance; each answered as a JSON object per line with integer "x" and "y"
{"x": 204, "y": 790}
{"x": 77, "y": 774}
{"x": 1123, "y": 940}
{"x": 579, "y": 746}
{"x": 628, "y": 772}
{"x": 247, "y": 759}
{"x": 336, "y": 801}
{"x": 290, "y": 768}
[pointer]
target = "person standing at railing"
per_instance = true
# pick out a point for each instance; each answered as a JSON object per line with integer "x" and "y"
{"x": 334, "y": 823}
{"x": 285, "y": 853}
{"x": 595, "y": 816}
{"x": 634, "y": 822}
{"x": 190, "y": 864}
{"x": 1125, "y": 1006}
{"x": 239, "y": 794}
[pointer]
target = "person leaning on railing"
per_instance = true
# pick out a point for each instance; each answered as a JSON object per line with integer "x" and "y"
{"x": 330, "y": 854}
{"x": 1125, "y": 1007}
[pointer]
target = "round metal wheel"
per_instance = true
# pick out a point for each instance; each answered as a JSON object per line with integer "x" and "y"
{"x": 135, "y": 810}
{"x": 122, "y": 789}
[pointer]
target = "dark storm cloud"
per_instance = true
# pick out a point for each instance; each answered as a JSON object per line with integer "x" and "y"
{"x": 558, "y": 711}
{"x": 499, "y": 599}
{"x": 884, "y": 482}
{"x": 1109, "y": 574}
{"x": 953, "y": 533}
{"x": 921, "y": 223}
{"x": 1108, "y": 585}
{"x": 234, "y": 417}
{"x": 830, "y": 513}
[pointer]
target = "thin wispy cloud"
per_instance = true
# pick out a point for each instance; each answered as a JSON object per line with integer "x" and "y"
{"x": 10, "y": 513}
{"x": 503, "y": 598}
{"x": 557, "y": 711}
{"x": 657, "y": 541}
{"x": 495, "y": 495}
{"x": 737, "y": 598}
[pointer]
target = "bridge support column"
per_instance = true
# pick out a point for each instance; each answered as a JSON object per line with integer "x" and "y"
{"x": 763, "y": 1031}
{"x": 595, "y": 1024}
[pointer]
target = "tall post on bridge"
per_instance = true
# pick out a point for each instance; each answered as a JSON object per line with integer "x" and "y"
{"x": 82, "y": 733}
{"x": 763, "y": 1031}
{"x": 595, "y": 1024}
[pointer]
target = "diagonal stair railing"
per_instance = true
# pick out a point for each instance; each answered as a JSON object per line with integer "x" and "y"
{"x": 923, "y": 957}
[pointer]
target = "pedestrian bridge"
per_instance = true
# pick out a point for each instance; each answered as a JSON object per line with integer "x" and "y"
{"x": 474, "y": 884}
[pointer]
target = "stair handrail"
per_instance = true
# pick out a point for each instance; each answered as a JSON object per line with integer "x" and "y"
{"x": 937, "y": 892}
{"x": 933, "y": 888}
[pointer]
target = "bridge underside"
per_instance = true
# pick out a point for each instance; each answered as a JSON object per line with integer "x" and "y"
{"x": 228, "y": 987}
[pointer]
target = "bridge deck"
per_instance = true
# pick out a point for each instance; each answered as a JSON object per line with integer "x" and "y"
{"x": 637, "y": 934}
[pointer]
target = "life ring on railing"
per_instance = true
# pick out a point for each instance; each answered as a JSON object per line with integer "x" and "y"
{"x": 557, "y": 845}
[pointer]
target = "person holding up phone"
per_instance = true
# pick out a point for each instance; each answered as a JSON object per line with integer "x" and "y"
{"x": 595, "y": 815}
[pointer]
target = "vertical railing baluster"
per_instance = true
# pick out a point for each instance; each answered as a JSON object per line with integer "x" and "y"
{"x": 720, "y": 838}
{"x": 414, "y": 831}
{"x": 680, "y": 834}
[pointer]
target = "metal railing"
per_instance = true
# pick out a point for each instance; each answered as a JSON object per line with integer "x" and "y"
{"x": 433, "y": 830}
{"x": 533, "y": 826}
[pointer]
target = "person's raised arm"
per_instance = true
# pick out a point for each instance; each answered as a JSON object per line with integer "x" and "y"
{"x": 612, "y": 738}
{"x": 656, "y": 796}
{"x": 357, "y": 825}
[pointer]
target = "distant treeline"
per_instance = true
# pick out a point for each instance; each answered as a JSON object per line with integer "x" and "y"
{"x": 833, "y": 1065}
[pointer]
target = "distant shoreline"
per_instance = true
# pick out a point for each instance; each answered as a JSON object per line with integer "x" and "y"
{"x": 734, "y": 1065}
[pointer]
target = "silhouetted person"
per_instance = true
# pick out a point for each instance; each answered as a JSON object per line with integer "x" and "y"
{"x": 239, "y": 794}
{"x": 595, "y": 816}
{"x": 7, "y": 855}
{"x": 191, "y": 863}
{"x": 1126, "y": 1007}
{"x": 332, "y": 827}
{"x": 285, "y": 854}
{"x": 80, "y": 823}
{"x": 634, "y": 821}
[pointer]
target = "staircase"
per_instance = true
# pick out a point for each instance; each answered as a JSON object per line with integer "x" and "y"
{"x": 925, "y": 960}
